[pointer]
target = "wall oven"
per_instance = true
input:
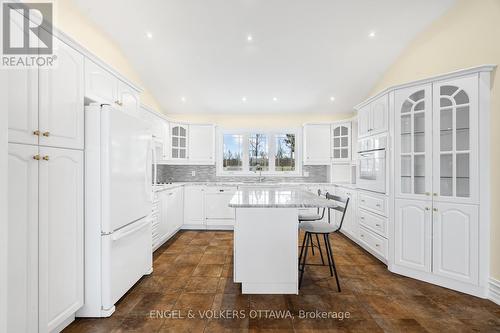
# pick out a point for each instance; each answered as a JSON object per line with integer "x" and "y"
{"x": 371, "y": 173}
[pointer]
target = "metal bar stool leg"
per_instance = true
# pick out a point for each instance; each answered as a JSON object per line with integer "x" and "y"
{"x": 312, "y": 245}
{"x": 305, "y": 258}
{"x": 319, "y": 248}
{"x": 302, "y": 249}
{"x": 333, "y": 262}
{"x": 328, "y": 254}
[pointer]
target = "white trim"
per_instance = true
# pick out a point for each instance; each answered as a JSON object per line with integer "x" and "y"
{"x": 494, "y": 293}
{"x": 449, "y": 75}
{"x": 3, "y": 200}
{"x": 271, "y": 133}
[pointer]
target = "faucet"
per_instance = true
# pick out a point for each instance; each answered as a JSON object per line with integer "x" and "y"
{"x": 259, "y": 168}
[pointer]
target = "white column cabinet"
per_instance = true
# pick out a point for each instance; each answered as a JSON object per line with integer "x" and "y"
{"x": 60, "y": 236}
{"x": 436, "y": 218}
{"x": 45, "y": 236}
{"x": 413, "y": 234}
{"x": 455, "y": 241}
{"x": 61, "y": 97}
{"x": 22, "y": 279}
{"x": 317, "y": 144}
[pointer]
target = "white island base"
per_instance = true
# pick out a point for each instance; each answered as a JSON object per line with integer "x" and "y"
{"x": 266, "y": 250}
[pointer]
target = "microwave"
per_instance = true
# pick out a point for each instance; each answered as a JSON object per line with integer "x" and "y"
{"x": 371, "y": 170}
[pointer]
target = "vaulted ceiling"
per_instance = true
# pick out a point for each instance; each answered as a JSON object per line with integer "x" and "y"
{"x": 261, "y": 56}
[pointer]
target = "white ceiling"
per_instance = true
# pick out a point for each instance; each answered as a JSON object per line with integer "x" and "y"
{"x": 303, "y": 51}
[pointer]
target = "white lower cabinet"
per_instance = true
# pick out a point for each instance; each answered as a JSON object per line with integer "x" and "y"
{"x": 170, "y": 215}
{"x": 413, "y": 234}
{"x": 455, "y": 241}
{"x": 438, "y": 238}
{"x": 194, "y": 207}
{"x": 350, "y": 225}
{"x": 45, "y": 237}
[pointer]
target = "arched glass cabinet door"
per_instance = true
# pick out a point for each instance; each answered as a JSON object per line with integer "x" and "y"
{"x": 413, "y": 142}
{"x": 179, "y": 141}
{"x": 455, "y": 140}
{"x": 341, "y": 145}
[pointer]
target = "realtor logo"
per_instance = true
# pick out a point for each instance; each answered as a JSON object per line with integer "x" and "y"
{"x": 25, "y": 42}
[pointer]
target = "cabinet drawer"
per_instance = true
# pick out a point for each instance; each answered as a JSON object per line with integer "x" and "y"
{"x": 374, "y": 203}
{"x": 373, "y": 241}
{"x": 373, "y": 222}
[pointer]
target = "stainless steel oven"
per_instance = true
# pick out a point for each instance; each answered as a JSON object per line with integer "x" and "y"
{"x": 371, "y": 173}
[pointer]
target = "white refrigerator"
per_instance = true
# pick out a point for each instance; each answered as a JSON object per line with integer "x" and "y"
{"x": 117, "y": 206}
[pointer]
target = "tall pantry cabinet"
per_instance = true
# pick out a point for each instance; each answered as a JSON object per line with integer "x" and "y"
{"x": 437, "y": 182}
{"x": 46, "y": 170}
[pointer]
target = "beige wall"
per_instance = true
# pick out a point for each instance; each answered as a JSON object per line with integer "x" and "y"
{"x": 260, "y": 121}
{"x": 466, "y": 36}
{"x": 69, "y": 19}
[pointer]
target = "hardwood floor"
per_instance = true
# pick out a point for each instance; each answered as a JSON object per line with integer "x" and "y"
{"x": 193, "y": 272}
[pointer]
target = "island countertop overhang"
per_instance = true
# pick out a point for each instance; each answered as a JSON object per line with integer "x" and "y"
{"x": 278, "y": 198}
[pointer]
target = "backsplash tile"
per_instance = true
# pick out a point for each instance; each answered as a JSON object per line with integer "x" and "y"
{"x": 207, "y": 173}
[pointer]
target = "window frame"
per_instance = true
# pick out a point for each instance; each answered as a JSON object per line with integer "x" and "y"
{"x": 271, "y": 139}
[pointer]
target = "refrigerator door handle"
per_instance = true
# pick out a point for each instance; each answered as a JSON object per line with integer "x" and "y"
{"x": 121, "y": 234}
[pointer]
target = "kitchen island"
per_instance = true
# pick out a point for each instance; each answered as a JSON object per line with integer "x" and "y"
{"x": 266, "y": 237}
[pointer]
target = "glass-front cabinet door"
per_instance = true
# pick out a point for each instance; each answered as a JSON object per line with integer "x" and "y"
{"x": 179, "y": 138}
{"x": 413, "y": 142}
{"x": 455, "y": 156}
{"x": 341, "y": 145}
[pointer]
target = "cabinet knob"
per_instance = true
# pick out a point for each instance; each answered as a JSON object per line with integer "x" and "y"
{"x": 118, "y": 103}
{"x": 36, "y": 132}
{"x": 378, "y": 205}
{"x": 36, "y": 157}
{"x": 435, "y": 194}
{"x": 46, "y": 134}
{"x": 427, "y": 193}
{"x": 427, "y": 208}
{"x": 435, "y": 209}
{"x": 378, "y": 225}
{"x": 45, "y": 158}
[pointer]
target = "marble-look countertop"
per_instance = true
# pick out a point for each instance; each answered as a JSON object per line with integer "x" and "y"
{"x": 161, "y": 187}
{"x": 278, "y": 197}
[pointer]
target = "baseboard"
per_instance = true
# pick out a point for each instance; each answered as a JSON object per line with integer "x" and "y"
{"x": 494, "y": 294}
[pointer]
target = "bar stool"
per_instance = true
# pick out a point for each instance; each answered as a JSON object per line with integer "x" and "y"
{"x": 312, "y": 218}
{"x": 324, "y": 229}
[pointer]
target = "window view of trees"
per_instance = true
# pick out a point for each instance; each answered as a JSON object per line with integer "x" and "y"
{"x": 258, "y": 155}
{"x": 233, "y": 151}
{"x": 246, "y": 153}
{"x": 285, "y": 152}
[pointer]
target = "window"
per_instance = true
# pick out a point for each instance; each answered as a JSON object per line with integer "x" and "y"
{"x": 258, "y": 152}
{"x": 233, "y": 152}
{"x": 285, "y": 152}
{"x": 268, "y": 153}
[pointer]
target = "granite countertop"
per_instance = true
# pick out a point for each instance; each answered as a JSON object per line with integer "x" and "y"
{"x": 277, "y": 198}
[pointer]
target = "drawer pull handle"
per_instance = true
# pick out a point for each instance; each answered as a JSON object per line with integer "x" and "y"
{"x": 362, "y": 235}
{"x": 377, "y": 245}
{"x": 362, "y": 200}
{"x": 378, "y": 225}
{"x": 362, "y": 217}
{"x": 378, "y": 205}
{"x": 221, "y": 190}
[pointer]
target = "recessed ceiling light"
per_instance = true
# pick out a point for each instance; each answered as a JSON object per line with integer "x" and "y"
{"x": 372, "y": 34}
{"x": 275, "y": 99}
{"x": 243, "y": 99}
{"x": 332, "y": 98}
{"x": 183, "y": 99}
{"x": 149, "y": 35}
{"x": 249, "y": 38}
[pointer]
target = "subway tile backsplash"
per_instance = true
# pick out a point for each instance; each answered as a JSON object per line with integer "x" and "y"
{"x": 207, "y": 173}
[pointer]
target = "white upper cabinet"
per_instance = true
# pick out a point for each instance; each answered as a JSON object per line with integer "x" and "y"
{"x": 22, "y": 104}
{"x": 341, "y": 142}
{"x": 455, "y": 146}
{"x": 179, "y": 141}
{"x": 456, "y": 237}
{"x": 413, "y": 234}
{"x": 317, "y": 144}
{"x": 22, "y": 262}
{"x": 128, "y": 98}
{"x": 100, "y": 85}
{"x": 104, "y": 87}
{"x": 202, "y": 144}
{"x": 373, "y": 118}
{"x": 413, "y": 142}
{"x": 61, "y": 98}
{"x": 60, "y": 235}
